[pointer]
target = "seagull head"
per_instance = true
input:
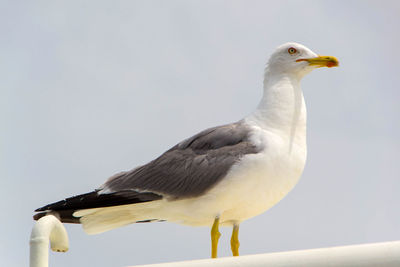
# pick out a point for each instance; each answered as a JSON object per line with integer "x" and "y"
{"x": 297, "y": 60}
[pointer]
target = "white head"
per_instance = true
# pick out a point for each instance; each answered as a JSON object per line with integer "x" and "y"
{"x": 297, "y": 60}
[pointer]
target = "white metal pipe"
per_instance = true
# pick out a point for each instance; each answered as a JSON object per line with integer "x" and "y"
{"x": 47, "y": 228}
{"x": 368, "y": 255}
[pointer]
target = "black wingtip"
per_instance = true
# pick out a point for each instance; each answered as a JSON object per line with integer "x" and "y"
{"x": 40, "y": 209}
{"x": 59, "y": 205}
{"x": 75, "y": 202}
{"x": 39, "y": 215}
{"x": 65, "y": 209}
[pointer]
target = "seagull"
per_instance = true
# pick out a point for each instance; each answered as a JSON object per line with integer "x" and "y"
{"x": 220, "y": 176}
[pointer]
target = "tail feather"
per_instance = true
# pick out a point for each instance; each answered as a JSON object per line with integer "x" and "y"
{"x": 102, "y": 221}
{"x": 72, "y": 209}
{"x": 105, "y": 219}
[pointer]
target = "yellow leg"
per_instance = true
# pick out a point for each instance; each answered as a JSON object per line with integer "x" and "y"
{"x": 215, "y": 234}
{"x": 235, "y": 240}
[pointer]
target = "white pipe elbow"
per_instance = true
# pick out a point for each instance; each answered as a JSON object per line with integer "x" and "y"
{"x": 47, "y": 229}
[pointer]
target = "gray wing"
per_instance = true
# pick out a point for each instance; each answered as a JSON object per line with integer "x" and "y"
{"x": 191, "y": 167}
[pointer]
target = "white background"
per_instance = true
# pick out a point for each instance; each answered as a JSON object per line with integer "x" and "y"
{"x": 90, "y": 88}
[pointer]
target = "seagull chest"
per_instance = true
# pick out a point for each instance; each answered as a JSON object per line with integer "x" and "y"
{"x": 260, "y": 181}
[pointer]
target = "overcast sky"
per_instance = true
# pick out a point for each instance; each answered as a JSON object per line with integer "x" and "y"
{"x": 90, "y": 88}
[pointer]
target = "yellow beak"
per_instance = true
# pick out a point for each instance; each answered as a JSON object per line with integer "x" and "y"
{"x": 321, "y": 61}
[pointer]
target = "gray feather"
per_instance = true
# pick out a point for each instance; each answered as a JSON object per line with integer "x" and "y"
{"x": 191, "y": 167}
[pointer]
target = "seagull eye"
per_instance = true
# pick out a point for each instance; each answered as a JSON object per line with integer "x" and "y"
{"x": 292, "y": 50}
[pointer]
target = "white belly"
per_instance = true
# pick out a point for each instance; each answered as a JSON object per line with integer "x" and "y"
{"x": 252, "y": 186}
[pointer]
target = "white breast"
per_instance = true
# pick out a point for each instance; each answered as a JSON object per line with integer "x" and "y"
{"x": 260, "y": 180}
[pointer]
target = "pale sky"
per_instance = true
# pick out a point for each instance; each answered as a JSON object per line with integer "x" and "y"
{"x": 91, "y": 88}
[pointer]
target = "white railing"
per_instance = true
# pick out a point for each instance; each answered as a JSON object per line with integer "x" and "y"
{"x": 47, "y": 228}
{"x": 368, "y": 255}
{"x": 386, "y": 254}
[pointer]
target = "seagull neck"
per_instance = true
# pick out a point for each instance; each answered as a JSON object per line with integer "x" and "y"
{"x": 282, "y": 106}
